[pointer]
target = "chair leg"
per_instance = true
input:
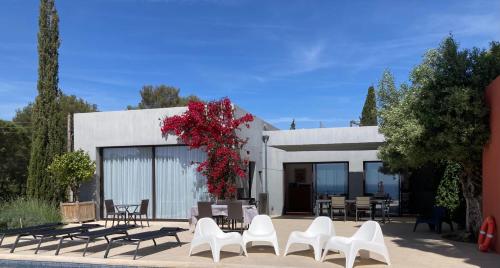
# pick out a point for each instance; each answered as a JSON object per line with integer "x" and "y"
{"x": 113, "y": 222}
{"x": 15, "y": 244}
{"x": 59, "y": 246}
{"x": 106, "y": 221}
{"x": 1, "y": 239}
{"x": 137, "y": 249}
{"x": 86, "y": 246}
{"x": 147, "y": 219}
{"x": 108, "y": 248}
{"x": 39, "y": 244}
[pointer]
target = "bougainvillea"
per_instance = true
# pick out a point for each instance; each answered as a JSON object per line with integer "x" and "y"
{"x": 212, "y": 128}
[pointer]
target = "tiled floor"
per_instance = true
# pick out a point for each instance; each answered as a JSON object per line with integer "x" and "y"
{"x": 406, "y": 249}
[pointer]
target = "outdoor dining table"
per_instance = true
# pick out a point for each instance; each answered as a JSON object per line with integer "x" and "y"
{"x": 249, "y": 212}
{"x": 127, "y": 208}
{"x": 374, "y": 203}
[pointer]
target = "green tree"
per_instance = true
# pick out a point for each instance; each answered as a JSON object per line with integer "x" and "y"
{"x": 70, "y": 104}
{"x": 71, "y": 169}
{"x": 369, "y": 113}
{"x": 14, "y": 152}
{"x": 448, "y": 191}
{"x": 442, "y": 116}
{"x": 47, "y": 141}
{"x": 161, "y": 96}
{"x": 387, "y": 92}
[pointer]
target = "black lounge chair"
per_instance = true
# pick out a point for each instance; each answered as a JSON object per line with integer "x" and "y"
{"x": 92, "y": 235}
{"x": 43, "y": 234}
{"x": 18, "y": 231}
{"x": 435, "y": 222}
{"x": 144, "y": 236}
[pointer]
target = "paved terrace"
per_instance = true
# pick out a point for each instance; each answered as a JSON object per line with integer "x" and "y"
{"x": 406, "y": 249}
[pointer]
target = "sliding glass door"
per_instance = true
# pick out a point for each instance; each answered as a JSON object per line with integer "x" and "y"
{"x": 378, "y": 182}
{"x": 331, "y": 178}
{"x": 178, "y": 185}
{"x": 127, "y": 175}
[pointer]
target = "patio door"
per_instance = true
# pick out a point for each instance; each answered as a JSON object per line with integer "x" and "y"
{"x": 127, "y": 175}
{"x": 178, "y": 185}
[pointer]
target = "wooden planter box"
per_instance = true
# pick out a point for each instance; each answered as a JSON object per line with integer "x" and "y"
{"x": 78, "y": 211}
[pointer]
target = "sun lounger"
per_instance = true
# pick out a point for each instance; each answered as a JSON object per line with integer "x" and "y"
{"x": 18, "y": 231}
{"x": 92, "y": 235}
{"x": 137, "y": 238}
{"x": 43, "y": 234}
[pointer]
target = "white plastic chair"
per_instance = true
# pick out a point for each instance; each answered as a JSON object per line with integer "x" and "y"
{"x": 369, "y": 237}
{"x": 261, "y": 230}
{"x": 208, "y": 232}
{"x": 320, "y": 230}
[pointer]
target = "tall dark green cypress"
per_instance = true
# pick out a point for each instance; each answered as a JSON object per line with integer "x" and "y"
{"x": 47, "y": 137}
{"x": 369, "y": 113}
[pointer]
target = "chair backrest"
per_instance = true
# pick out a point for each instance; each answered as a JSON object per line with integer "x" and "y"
{"x": 321, "y": 225}
{"x": 144, "y": 206}
{"x": 206, "y": 227}
{"x": 204, "y": 209}
{"x": 338, "y": 201}
{"x": 261, "y": 225}
{"x": 222, "y": 202}
{"x": 369, "y": 231}
{"x": 438, "y": 213}
{"x": 363, "y": 201}
{"x": 109, "y": 205}
{"x": 235, "y": 210}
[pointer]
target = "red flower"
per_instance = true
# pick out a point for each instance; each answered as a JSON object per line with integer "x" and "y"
{"x": 212, "y": 128}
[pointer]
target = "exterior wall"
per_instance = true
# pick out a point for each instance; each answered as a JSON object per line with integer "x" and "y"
{"x": 491, "y": 158}
{"x": 142, "y": 128}
{"x": 363, "y": 137}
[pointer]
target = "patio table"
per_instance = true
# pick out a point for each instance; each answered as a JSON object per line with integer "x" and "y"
{"x": 249, "y": 212}
{"x": 127, "y": 209}
{"x": 374, "y": 203}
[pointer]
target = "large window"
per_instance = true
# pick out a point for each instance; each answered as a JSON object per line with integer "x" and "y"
{"x": 331, "y": 178}
{"x": 178, "y": 185}
{"x": 376, "y": 181}
{"x": 127, "y": 174}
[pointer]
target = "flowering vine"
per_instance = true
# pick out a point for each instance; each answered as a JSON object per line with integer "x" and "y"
{"x": 212, "y": 128}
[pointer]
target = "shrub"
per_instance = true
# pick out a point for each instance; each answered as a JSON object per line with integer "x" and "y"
{"x": 23, "y": 212}
{"x": 71, "y": 170}
{"x": 448, "y": 192}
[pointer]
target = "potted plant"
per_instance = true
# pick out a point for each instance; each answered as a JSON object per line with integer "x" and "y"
{"x": 70, "y": 170}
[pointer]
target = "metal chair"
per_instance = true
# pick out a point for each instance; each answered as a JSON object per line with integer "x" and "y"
{"x": 363, "y": 204}
{"x": 143, "y": 210}
{"x": 112, "y": 211}
{"x": 338, "y": 203}
{"x": 235, "y": 214}
{"x": 204, "y": 210}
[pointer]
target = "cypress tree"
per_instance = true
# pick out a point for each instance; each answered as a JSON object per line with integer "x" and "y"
{"x": 47, "y": 137}
{"x": 369, "y": 113}
{"x": 292, "y": 125}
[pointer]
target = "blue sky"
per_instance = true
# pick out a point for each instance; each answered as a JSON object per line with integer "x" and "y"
{"x": 308, "y": 60}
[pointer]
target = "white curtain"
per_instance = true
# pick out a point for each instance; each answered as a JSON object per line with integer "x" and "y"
{"x": 331, "y": 178}
{"x": 128, "y": 175}
{"x": 178, "y": 185}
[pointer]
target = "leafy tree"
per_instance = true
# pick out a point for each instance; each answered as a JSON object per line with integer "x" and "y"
{"x": 70, "y": 104}
{"x": 387, "y": 93}
{"x": 292, "y": 125}
{"x": 71, "y": 169}
{"x": 442, "y": 116}
{"x": 162, "y": 96}
{"x": 369, "y": 113}
{"x": 47, "y": 136}
{"x": 14, "y": 152}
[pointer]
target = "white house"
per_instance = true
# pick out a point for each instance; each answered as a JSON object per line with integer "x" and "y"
{"x": 135, "y": 162}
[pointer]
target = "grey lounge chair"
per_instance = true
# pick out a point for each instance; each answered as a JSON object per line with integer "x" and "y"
{"x": 137, "y": 238}
{"x": 92, "y": 235}
{"x": 45, "y": 234}
{"x": 18, "y": 231}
